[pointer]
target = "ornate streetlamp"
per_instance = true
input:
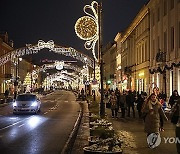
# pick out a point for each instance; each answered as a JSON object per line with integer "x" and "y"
{"x": 89, "y": 28}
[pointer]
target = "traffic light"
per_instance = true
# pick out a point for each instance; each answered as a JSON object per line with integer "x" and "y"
{"x": 109, "y": 82}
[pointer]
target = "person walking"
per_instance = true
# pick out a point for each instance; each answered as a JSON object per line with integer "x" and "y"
{"x": 177, "y": 131}
{"x": 117, "y": 93}
{"x": 153, "y": 109}
{"x": 130, "y": 99}
{"x": 163, "y": 103}
{"x": 174, "y": 98}
{"x": 114, "y": 104}
{"x": 140, "y": 102}
{"x": 6, "y": 94}
{"x": 82, "y": 94}
{"x": 122, "y": 103}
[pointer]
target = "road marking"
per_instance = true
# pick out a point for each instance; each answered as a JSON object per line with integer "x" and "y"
{"x": 66, "y": 101}
{"x": 45, "y": 112}
{"x": 21, "y": 125}
{"x": 15, "y": 123}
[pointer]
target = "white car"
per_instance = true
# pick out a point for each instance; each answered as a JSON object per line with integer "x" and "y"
{"x": 26, "y": 103}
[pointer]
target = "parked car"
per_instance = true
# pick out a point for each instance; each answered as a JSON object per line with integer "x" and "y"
{"x": 26, "y": 103}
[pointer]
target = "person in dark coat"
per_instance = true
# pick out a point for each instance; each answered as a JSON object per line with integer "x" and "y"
{"x": 140, "y": 101}
{"x": 178, "y": 126}
{"x": 117, "y": 93}
{"x": 6, "y": 94}
{"x": 122, "y": 104}
{"x": 114, "y": 105}
{"x": 174, "y": 98}
{"x": 130, "y": 99}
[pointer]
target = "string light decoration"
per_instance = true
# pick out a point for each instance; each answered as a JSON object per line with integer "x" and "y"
{"x": 87, "y": 27}
{"x": 52, "y": 66}
{"x": 59, "y": 65}
{"x": 34, "y": 49}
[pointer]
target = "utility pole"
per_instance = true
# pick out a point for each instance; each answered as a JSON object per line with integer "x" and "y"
{"x": 102, "y": 105}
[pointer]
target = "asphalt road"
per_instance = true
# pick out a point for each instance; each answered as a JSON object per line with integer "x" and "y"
{"x": 44, "y": 133}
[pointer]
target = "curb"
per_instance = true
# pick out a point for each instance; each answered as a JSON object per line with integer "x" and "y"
{"x": 69, "y": 144}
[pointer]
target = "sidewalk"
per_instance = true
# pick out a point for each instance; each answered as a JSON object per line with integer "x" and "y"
{"x": 131, "y": 130}
{"x": 83, "y": 132}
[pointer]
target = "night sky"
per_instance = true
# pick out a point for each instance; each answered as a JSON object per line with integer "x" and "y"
{"x": 27, "y": 21}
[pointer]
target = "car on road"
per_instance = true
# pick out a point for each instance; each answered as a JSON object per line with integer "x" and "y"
{"x": 26, "y": 103}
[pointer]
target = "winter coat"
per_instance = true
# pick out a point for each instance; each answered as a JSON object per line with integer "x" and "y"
{"x": 152, "y": 118}
{"x": 175, "y": 112}
{"x": 113, "y": 101}
{"x": 139, "y": 102}
{"x": 130, "y": 99}
{"x": 123, "y": 101}
{"x": 173, "y": 99}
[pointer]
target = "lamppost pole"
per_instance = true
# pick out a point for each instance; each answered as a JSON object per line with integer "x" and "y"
{"x": 94, "y": 93}
{"x": 102, "y": 105}
{"x": 16, "y": 76}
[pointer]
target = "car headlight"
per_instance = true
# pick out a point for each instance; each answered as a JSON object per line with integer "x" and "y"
{"x": 14, "y": 104}
{"x": 34, "y": 104}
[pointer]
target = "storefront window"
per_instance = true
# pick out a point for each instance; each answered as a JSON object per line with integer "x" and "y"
{"x": 171, "y": 82}
{"x": 152, "y": 81}
{"x": 158, "y": 80}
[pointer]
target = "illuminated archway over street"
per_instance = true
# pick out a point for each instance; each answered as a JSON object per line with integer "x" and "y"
{"x": 33, "y": 49}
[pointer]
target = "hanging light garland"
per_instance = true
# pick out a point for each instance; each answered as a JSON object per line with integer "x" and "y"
{"x": 163, "y": 70}
{"x": 33, "y": 49}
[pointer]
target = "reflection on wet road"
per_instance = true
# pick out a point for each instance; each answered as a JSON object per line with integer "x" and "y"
{"x": 46, "y": 132}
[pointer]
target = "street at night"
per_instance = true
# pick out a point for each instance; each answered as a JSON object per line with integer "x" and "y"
{"x": 46, "y": 132}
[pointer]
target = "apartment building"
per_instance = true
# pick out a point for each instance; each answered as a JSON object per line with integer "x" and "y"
{"x": 133, "y": 49}
{"x": 148, "y": 51}
{"x": 165, "y": 44}
{"x": 109, "y": 58}
{"x": 5, "y": 70}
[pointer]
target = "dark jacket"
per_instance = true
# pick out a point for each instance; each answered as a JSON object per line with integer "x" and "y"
{"x": 139, "y": 102}
{"x": 173, "y": 99}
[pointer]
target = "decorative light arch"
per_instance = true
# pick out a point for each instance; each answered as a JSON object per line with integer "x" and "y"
{"x": 33, "y": 49}
{"x": 53, "y": 65}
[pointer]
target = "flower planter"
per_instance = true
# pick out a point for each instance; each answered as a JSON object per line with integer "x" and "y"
{"x": 100, "y": 123}
{"x": 93, "y": 118}
{"x": 103, "y": 133}
{"x": 88, "y": 151}
{"x": 93, "y": 140}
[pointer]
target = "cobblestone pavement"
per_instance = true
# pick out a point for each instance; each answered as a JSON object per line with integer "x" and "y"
{"x": 131, "y": 130}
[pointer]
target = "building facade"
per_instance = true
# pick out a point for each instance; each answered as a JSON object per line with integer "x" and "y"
{"x": 165, "y": 44}
{"x": 133, "y": 49}
{"x": 5, "y": 70}
{"x": 148, "y": 51}
{"x": 109, "y": 58}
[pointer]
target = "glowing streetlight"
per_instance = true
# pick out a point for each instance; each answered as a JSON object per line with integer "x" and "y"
{"x": 87, "y": 27}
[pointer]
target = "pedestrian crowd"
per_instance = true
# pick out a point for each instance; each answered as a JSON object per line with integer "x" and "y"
{"x": 151, "y": 109}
